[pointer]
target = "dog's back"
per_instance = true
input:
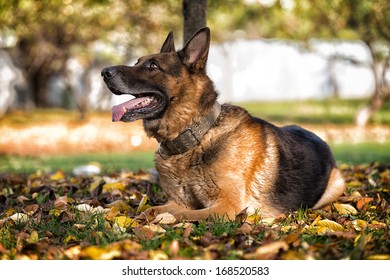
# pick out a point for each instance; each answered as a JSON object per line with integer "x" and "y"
{"x": 306, "y": 163}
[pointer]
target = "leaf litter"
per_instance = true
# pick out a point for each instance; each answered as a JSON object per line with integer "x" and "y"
{"x": 60, "y": 216}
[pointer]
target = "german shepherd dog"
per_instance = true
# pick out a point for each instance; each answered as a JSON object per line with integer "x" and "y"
{"x": 218, "y": 160}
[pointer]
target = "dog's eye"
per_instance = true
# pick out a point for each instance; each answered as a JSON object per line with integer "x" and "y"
{"x": 153, "y": 65}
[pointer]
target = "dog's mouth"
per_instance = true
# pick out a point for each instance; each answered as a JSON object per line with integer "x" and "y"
{"x": 144, "y": 106}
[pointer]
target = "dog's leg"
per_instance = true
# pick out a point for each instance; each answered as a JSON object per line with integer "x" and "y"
{"x": 335, "y": 188}
{"x": 214, "y": 212}
{"x": 170, "y": 207}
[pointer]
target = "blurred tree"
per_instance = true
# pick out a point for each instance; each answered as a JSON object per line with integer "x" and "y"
{"x": 49, "y": 32}
{"x": 194, "y": 13}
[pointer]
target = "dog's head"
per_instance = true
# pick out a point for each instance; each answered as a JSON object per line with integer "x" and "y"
{"x": 163, "y": 83}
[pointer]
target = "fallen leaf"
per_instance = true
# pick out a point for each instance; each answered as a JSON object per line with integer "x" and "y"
{"x": 359, "y": 225}
{"x": 79, "y": 226}
{"x": 268, "y": 251}
{"x": 125, "y": 222}
{"x": 72, "y": 252}
{"x": 158, "y": 255}
{"x": 330, "y": 225}
{"x": 108, "y": 187}
{"x": 143, "y": 233}
{"x": 59, "y": 175}
{"x": 84, "y": 208}
{"x": 97, "y": 253}
{"x": 142, "y": 203}
{"x": 379, "y": 257}
{"x": 345, "y": 209}
{"x": 19, "y": 218}
{"x": 119, "y": 205}
{"x": 363, "y": 201}
{"x": 155, "y": 228}
{"x": 164, "y": 218}
{"x": 33, "y": 238}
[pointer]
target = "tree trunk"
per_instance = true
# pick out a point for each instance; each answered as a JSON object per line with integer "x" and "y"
{"x": 381, "y": 92}
{"x": 194, "y": 13}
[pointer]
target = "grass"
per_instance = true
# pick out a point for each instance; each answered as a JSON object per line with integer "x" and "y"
{"x": 109, "y": 162}
{"x": 330, "y": 111}
{"x": 362, "y": 153}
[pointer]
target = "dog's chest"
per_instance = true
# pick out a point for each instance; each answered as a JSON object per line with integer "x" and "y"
{"x": 188, "y": 182}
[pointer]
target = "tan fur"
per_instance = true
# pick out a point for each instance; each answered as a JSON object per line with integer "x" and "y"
{"x": 335, "y": 188}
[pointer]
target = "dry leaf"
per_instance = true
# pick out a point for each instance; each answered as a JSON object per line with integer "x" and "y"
{"x": 59, "y": 175}
{"x": 142, "y": 203}
{"x": 143, "y": 233}
{"x": 125, "y": 222}
{"x": 155, "y": 228}
{"x": 330, "y": 225}
{"x": 97, "y": 253}
{"x": 345, "y": 209}
{"x": 158, "y": 255}
{"x": 19, "y": 218}
{"x": 109, "y": 187}
{"x": 379, "y": 257}
{"x": 363, "y": 201}
{"x": 84, "y": 208}
{"x": 33, "y": 238}
{"x": 164, "y": 218}
{"x": 72, "y": 252}
{"x": 359, "y": 225}
{"x": 119, "y": 205}
{"x": 268, "y": 251}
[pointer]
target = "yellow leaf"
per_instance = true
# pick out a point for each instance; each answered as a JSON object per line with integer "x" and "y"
{"x": 108, "y": 187}
{"x": 330, "y": 224}
{"x": 379, "y": 257}
{"x": 142, "y": 203}
{"x": 119, "y": 205}
{"x": 125, "y": 222}
{"x": 359, "y": 224}
{"x": 59, "y": 175}
{"x": 345, "y": 209}
{"x": 322, "y": 230}
{"x": 157, "y": 255}
{"x": 95, "y": 184}
{"x": 56, "y": 212}
{"x": 354, "y": 184}
{"x": 316, "y": 220}
{"x": 34, "y": 237}
{"x": 97, "y": 253}
{"x": 70, "y": 238}
{"x": 34, "y": 176}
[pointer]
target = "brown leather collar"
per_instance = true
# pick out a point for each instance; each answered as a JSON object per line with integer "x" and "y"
{"x": 190, "y": 137}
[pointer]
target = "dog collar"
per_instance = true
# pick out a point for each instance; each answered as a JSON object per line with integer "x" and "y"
{"x": 190, "y": 137}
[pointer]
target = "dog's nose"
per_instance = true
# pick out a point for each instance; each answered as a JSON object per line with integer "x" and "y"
{"x": 109, "y": 72}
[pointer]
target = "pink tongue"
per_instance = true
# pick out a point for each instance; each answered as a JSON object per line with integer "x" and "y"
{"x": 119, "y": 110}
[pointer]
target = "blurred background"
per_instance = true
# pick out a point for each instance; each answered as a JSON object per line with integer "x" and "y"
{"x": 324, "y": 65}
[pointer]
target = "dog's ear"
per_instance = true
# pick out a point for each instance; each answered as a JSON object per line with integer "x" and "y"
{"x": 169, "y": 44}
{"x": 196, "y": 50}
